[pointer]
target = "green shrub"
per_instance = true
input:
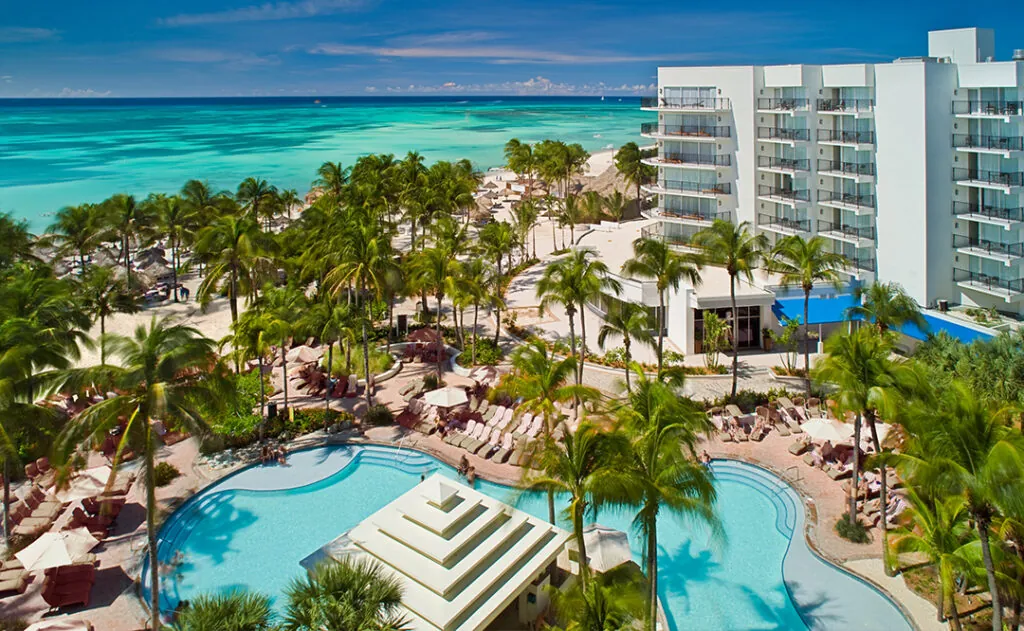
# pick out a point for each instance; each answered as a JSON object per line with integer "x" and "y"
{"x": 856, "y": 532}
{"x": 164, "y": 473}
{"x": 309, "y": 420}
{"x": 378, "y": 414}
{"x": 747, "y": 400}
{"x": 380, "y": 361}
{"x": 487, "y": 353}
{"x": 431, "y": 382}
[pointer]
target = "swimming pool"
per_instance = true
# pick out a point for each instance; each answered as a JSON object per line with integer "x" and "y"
{"x": 251, "y": 529}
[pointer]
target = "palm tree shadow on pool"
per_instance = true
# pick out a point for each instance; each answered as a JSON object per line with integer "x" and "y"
{"x": 781, "y": 613}
{"x": 688, "y": 567}
{"x": 214, "y": 543}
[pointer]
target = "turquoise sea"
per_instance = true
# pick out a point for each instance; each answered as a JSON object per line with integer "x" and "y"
{"x": 59, "y": 152}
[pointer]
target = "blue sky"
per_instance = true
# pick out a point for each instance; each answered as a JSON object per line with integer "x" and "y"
{"x": 331, "y": 47}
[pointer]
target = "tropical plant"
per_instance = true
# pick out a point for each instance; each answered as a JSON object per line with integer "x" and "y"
{"x": 887, "y": 306}
{"x": 179, "y": 221}
{"x": 629, "y": 163}
{"x": 237, "y": 610}
{"x": 805, "y": 263}
{"x": 103, "y": 295}
{"x": 79, "y": 231}
{"x": 654, "y": 259}
{"x": 330, "y": 322}
{"x": 613, "y": 601}
{"x": 630, "y": 321}
{"x": 132, "y": 223}
{"x": 251, "y": 339}
{"x": 257, "y": 196}
{"x": 739, "y": 251}
{"x": 615, "y": 204}
{"x": 716, "y": 335}
{"x": 280, "y": 304}
{"x": 17, "y": 244}
{"x": 788, "y": 341}
{"x": 238, "y": 254}
{"x": 521, "y": 158}
{"x": 354, "y": 595}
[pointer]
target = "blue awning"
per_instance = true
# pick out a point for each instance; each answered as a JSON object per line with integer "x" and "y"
{"x": 935, "y": 323}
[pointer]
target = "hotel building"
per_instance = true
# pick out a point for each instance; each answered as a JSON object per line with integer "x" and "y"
{"x": 910, "y": 169}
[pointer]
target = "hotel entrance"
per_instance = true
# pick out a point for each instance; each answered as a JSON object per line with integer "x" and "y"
{"x": 747, "y": 326}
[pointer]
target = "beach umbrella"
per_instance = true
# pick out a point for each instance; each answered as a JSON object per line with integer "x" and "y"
{"x": 447, "y": 397}
{"x": 490, "y": 185}
{"x": 484, "y": 374}
{"x": 88, "y": 483}
{"x": 54, "y": 549}
{"x": 424, "y": 335}
{"x": 827, "y": 429}
{"x": 607, "y": 548}
{"x": 302, "y": 354}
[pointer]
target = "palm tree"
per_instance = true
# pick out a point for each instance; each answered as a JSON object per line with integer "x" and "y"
{"x": 132, "y": 223}
{"x": 629, "y": 163}
{"x": 654, "y": 259}
{"x": 166, "y": 369}
{"x": 332, "y": 178}
{"x": 280, "y": 306}
{"x": 237, "y": 610}
{"x": 254, "y": 194}
{"x": 178, "y": 220}
{"x": 78, "y": 231}
{"x": 520, "y": 158}
{"x": 613, "y": 601}
{"x": 579, "y": 465}
{"x": 290, "y": 199}
{"x": 661, "y": 471}
{"x": 497, "y": 240}
{"x": 939, "y": 528}
{"x": 355, "y": 595}
{"x": 251, "y": 338}
{"x": 435, "y": 269}
{"x": 806, "y": 262}
{"x": 572, "y": 214}
{"x": 887, "y": 305}
{"x": 572, "y": 281}
{"x": 632, "y": 322}
{"x": 17, "y": 244}
{"x": 474, "y": 280}
{"x": 524, "y": 216}
{"x": 104, "y": 295}
{"x": 615, "y": 204}
{"x": 329, "y": 321}
{"x": 236, "y": 250}
{"x": 739, "y": 251}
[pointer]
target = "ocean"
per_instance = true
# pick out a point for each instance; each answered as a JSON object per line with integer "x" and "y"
{"x": 55, "y": 153}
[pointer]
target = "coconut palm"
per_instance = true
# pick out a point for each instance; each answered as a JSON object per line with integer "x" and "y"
{"x": 615, "y": 204}
{"x": 580, "y": 465}
{"x": 524, "y": 221}
{"x": 655, "y": 260}
{"x": 290, "y": 200}
{"x": 132, "y": 223}
{"x": 78, "y": 231}
{"x": 613, "y": 601}
{"x": 179, "y": 221}
{"x": 572, "y": 214}
{"x": 237, "y": 610}
{"x": 474, "y": 279}
{"x": 255, "y": 195}
{"x": 521, "y": 158}
{"x": 498, "y": 240}
{"x": 17, "y": 244}
{"x": 939, "y": 528}
{"x": 435, "y": 268}
{"x": 571, "y": 282}
{"x": 332, "y": 178}
{"x": 237, "y": 252}
{"x": 661, "y": 472}
{"x": 806, "y": 263}
{"x": 629, "y": 163}
{"x": 280, "y": 305}
{"x": 739, "y": 251}
{"x": 887, "y": 305}
{"x": 330, "y": 322}
{"x": 354, "y": 595}
{"x": 251, "y": 339}
{"x": 166, "y": 370}
{"x": 103, "y": 295}
{"x": 632, "y": 322}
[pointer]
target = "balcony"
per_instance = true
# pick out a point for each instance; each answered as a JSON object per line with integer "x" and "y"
{"x": 693, "y": 217}
{"x": 699, "y": 132}
{"x": 855, "y": 107}
{"x": 980, "y": 108}
{"x": 1008, "y": 289}
{"x": 858, "y": 139}
{"x": 783, "y": 225}
{"x": 782, "y": 106}
{"x": 782, "y": 134}
{"x": 781, "y": 195}
{"x": 684, "y": 241}
{"x": 988, "y": 144}
{"x": 856, "y": 265}
{"x": 858, "y": 235}
{"x": 1005, "y": 217}
{"x": 996, "y": 250}
{"x": 688, "y": 188}
{"x": 788, "y": 166}
{"x": 1003, "y": 181}
{"x": 847, "y": 201}
{"x": 856, "y": 171}
{"x": 656, "y": 103}
{"x": 689, "y": 160}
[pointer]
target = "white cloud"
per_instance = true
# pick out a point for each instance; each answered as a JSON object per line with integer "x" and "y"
{"x": 7, "y": 78}
{"x": 531, "y": 86}
{"x": 215, "y": 56}
{"x": 69, "y": 93}
{"x": 20, "y": 34}
{"x": 264, "y": 12}
{"x": 495, "y": 54}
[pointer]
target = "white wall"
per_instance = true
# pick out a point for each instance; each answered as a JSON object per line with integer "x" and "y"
{"x": 962, "y": 45}
{"x": 996, "y": 74}
{"x": 847, "y": 76}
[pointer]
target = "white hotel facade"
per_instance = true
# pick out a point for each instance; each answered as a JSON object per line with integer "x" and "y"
{"x": 911, "y": 169}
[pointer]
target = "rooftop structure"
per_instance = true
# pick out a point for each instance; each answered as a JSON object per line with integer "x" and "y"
{"x": 461, "y": 557}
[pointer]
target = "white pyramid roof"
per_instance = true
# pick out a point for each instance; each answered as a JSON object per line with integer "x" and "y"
{"x": 462, "y": 557}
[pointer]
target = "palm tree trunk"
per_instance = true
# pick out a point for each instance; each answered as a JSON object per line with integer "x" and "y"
{"x": 583, "y": 343}
{"x": 476, "y": 315}
{"x": 581, "y": 544}
{"x": 497, "y": 322}
{"x": 259, "y": 358}
{"x": 807, "y": 339}
{"x": 652, "y": 573}
{"x": 154, "y": 569}
{"x": 174, "y": 269}
{"x": 366, "y": 361}
{"x": 661, "y": 331}
{"x": 391, "y": 320}
{"x": 981, "y": 523}
{"x": 440, "y": 336}
{"x": 284, "y": 373}
{"x": 735, "y": 335}
{"x": 330, "y": 366}
{"x": 954, "y": 615}
{"x": 127, "y": 262}
{"x": 81, "y": 260}
{"x": 883, "y": 494}
{"x": 233, "y": 298}
{"x": 856, "y": 471}
{"x": 7, "y": 504}
{"x": 625, "y": 344}
{"x": 638, "y": 194}
{"x": 103, "y": 342}
{"x": 554, "y": 238}
{"x": 940, "y": 601}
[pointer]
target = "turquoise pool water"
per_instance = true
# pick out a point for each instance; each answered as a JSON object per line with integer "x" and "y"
{"x": 251, "y": 529}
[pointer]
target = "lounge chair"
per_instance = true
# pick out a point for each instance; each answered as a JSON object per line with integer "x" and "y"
{"x": 734, "y": 411}
{"x": 741, "y": 435}
{"x": 484, "y": 405}
{"x": 14, "y": 583}
{"x": 493, "y": 443}
{"x": 518, "y": 456}
{"x": 809, "y": 459}
{"x": 523, "y": 427}
{"x": 60, "y": 593}
{"x": 456, "y": 438}
{"x": 838, "y": 473}
{"x": 505, "y": 450}
{"x": 799, "y": 447}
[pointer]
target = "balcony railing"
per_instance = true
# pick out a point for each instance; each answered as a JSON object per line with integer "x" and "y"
{"x": 655, "y": 232}
{"x": 848, "y": 168}
{"x": 699, "y": 103}
{"x": 787, "y": 194}
{"x": 1001, "y": 143}
{"x": 704, "y": 188}
{"x": 709, "y": 131}
{"x": 854, "y": 232}
{"x": 782, "y": 133}
{"x": 694, "y": 215}
{"x": 849, "y": 137}
{"x": 849, "y": 199}
{"x": 786, "y": 164}
{"x": 782, "y": 105}
{"x": 989, "y": 282}
{"x": 992, "y": 212}
{"x": 862, "y": 264}
{"x": 796, "y": 225}
{"x": 696, "y": 159}
{"x": 988, "y": 177}
{"x": 845, "y": 105}
{"x": 989, "y": 247}
{"x": 989, "y": 108}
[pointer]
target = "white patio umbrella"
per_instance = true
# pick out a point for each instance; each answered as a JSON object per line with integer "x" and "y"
{"x": 827, "y": 429}
{"x": 60, "y": 625}
{"x": 607, "y": 548}
{"x": 303, "y": 354}
{"x": 54, "y": 549}
{"x": 447, "y": 397}
{"x": 88, "y": 483}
